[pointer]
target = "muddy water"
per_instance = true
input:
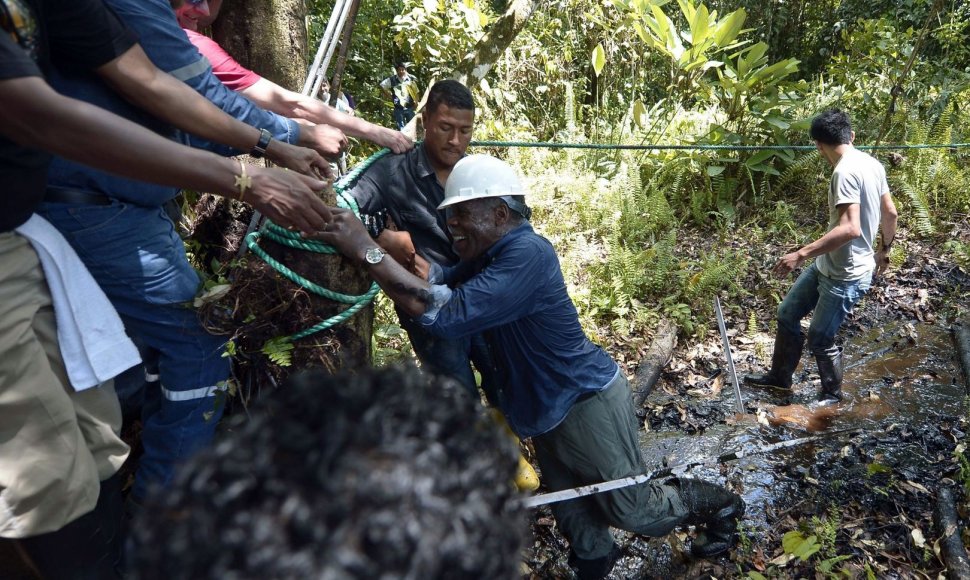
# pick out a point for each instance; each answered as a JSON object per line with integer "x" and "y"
{"x": 897, "y": 374}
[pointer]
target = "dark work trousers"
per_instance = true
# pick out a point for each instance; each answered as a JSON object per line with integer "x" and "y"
{"x": 597, "y": 442}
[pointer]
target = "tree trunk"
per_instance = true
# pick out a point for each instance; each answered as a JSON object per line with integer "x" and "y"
{"x": 269, "y": 37}
{"x": 489, "y": 49}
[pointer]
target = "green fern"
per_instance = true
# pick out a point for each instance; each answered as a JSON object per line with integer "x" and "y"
{"x": 279, "y": 350}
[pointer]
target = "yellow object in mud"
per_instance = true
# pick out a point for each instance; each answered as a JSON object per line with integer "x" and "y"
{"x": 526, "y": 478}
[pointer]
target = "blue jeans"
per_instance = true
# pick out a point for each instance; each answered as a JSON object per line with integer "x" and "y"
{"x": 453, "y": 357}
{"x": 402, "y": 116}
{"x": 139, "y": 261}
{"x": 831, "y": 299}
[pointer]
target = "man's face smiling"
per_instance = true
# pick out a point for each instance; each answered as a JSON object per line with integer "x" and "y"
{"x": 474, "y": 227}
{"x": 191, "y": 12}
{"x": 447, "y": 132}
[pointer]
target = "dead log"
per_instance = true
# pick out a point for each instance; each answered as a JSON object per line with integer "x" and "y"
{"x": 648, "y": 371}
{"x": 961, "y": 336}
{"x": 951, "y": 546}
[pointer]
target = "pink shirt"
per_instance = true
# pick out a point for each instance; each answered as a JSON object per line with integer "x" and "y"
{"x": 231, "y": 73}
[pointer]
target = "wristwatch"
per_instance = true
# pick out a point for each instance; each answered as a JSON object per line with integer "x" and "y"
{"x": 374, "y": 256}
{"x": 260, "y": 149}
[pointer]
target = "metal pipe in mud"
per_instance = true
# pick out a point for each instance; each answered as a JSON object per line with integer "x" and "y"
{"x": 727, "y": 354}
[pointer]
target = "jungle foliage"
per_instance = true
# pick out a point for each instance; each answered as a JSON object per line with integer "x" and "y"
{"x": 739, "y": 73}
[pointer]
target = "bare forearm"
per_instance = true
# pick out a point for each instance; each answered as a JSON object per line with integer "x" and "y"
{"x": 832, "y": 240}
{"x": 273, "y": 97}
{"x": 407, "y": 291}
{"x": 137, "y": 80}
{"x": 95, "y": 137}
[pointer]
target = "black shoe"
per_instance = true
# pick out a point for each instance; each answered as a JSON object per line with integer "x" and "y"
{"x": 597, "y": 568}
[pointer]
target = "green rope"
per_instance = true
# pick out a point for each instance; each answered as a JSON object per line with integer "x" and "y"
{"x": 552, "y": 145}
{"x": 285, "y": 237}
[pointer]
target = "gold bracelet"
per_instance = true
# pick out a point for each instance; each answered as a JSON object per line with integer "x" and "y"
{"x": 243, "y": 181}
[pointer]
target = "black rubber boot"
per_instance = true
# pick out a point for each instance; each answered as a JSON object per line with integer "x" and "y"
{"x": 715, "y": 510}
{"x": 830, "y": 372}
{"x": 89, "y": 548}
{"x": 597, "y": 568}
{"x": 784, "y": 359}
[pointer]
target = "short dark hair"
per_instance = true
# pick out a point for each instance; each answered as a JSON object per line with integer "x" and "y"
{"x": 384, "y": 473}
{"x": 831, "y": 127}
{"x": 400, "y": 64}
{"x": 451, "y": 93}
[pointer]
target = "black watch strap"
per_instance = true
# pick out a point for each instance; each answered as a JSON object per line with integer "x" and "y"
{"x": 260, "y": 149}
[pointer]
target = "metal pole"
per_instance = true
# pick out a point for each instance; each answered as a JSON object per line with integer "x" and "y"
{"x": 585, "y": 490}
{"x": 727, "y": 354}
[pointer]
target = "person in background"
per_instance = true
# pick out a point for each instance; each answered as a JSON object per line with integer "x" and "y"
{"x": 555, "y": 386}
{"x": 270, "y": 95}
{"x": 404, "y": 191}
{"x": 401, "y": 88}
{"x": 421, "y": 473}
{"x": 846, "y": 257}
{"x": 61, "y": 342}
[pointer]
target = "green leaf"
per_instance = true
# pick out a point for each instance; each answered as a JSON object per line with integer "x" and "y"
{"x": 759, "y": 157}
{"x": 598, "y": 59}
{"x": 729, "y": 27}
{"x": 640, "y": 114}
{"x": 713, "y": 170}
{"x": 797, "y": 545}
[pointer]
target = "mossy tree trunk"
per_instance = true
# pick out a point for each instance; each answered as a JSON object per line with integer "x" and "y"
{"x": 269, "y": 37}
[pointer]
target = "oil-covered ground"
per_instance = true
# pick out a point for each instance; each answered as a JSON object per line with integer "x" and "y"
{"x": 855, "y": 493}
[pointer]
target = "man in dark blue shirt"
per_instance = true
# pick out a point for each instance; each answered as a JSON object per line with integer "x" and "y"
{"x": 556, "y": 386}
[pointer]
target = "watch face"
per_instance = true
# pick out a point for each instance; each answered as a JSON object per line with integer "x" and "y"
{"x": 374, "y": 255}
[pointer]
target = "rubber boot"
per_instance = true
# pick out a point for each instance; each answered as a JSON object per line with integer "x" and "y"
{"x": 784, "y": 359}
{"x": 715, "y": 510}
{"x": 526, "y": 478}
{"x": 89, "y": 548}
{"x": 830, "y": 373}
{"x": 597, "y": 568}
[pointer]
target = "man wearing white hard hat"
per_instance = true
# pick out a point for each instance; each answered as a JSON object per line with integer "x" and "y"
{"x": 556, "y": 386}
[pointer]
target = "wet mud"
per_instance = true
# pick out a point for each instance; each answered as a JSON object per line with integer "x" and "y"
{"x": 860, "y": 479}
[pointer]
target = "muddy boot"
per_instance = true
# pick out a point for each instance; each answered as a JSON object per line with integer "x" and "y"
{"x": 597, "y": 568}
{"x": 830, "y": 372}
{"x": 784, "y": 359}
{"x": 715, "y": 510}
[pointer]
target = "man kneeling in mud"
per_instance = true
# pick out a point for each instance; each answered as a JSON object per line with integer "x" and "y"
{"x": 382, "y": 474}
{"x": 554, "y": 385}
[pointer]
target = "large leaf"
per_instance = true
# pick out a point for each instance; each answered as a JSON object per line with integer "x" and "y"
{"x": 729, "y": 27}
{"x": 598, "y": 59}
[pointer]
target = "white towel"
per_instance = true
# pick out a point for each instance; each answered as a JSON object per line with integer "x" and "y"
{"x": 92, "y": 338}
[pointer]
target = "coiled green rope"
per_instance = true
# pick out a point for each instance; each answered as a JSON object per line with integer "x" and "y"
{"x": 285, "y": 237}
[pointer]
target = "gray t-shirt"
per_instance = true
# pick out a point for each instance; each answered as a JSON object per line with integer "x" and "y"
{"x": 858, "y": 178}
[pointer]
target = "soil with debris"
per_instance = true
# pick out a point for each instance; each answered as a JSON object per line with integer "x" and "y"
{"x": 857, "y": 500}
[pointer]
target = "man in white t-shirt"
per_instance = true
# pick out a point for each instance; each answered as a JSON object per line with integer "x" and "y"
{"x": 847, "y": 258}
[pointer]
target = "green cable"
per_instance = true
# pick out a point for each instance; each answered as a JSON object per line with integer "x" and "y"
{"x": 552, "y": 145}
{"x": 285, "y": 237}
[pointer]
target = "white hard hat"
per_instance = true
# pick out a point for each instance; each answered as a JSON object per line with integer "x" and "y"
{"x": 478, "y": 176}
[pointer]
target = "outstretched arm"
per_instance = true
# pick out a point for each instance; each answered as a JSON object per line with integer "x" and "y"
{"x": 273, "y": 97}
{"x": 137, "y": 79}
{"x": 347, "y": 233}
{"x": 848, "y": 229}
{"x": 34, "y": 115}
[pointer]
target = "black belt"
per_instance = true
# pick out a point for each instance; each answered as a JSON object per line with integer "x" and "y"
{"x": 74, "y": 196}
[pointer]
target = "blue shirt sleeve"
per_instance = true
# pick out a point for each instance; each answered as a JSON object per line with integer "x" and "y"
{"x": 169, "y": 48}
{"x": 503, "y": 292}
